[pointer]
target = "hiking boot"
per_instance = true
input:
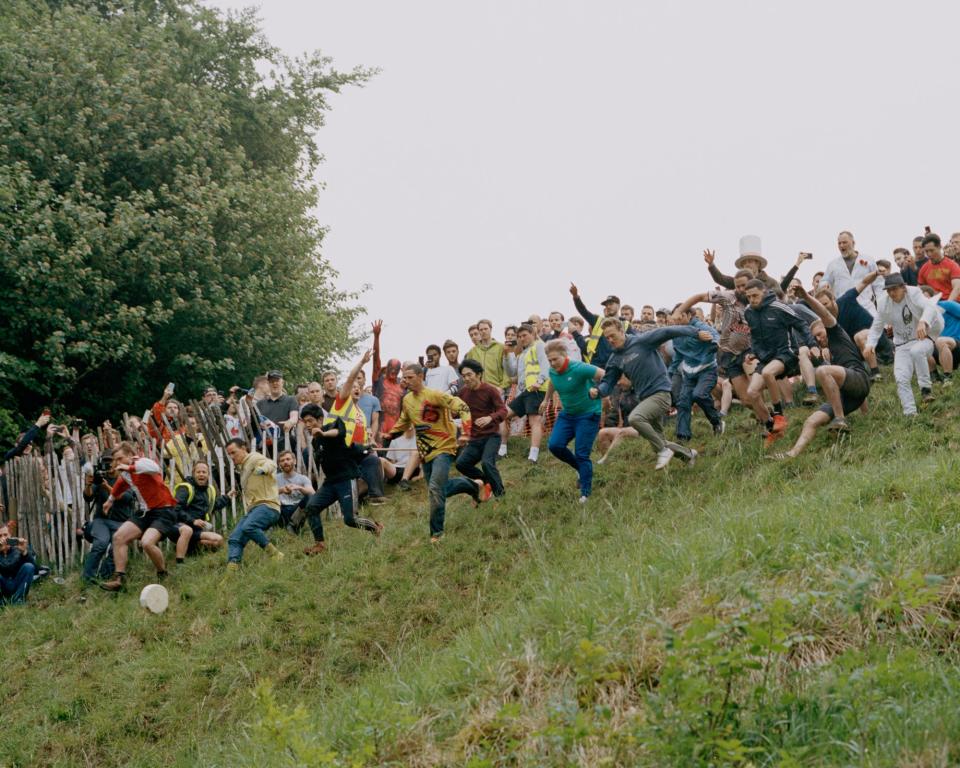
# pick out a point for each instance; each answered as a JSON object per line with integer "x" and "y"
{"x": 116, "y": 582}
{"x": 317, "y": 549}
{"x": 404, "y": 485}
{"x": 926, "y": 396}
{"x": 663, "y": 458}
{"x": 779, "y": 423}
{"x": 810, "y": 398}
{"x": 720, "y": 427}
{"x": 839, "y": 424}
{"x": 376, "y": 501}
{"x": 275, "y": 554}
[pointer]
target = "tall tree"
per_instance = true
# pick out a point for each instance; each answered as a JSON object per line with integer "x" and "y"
{"x": 155, "y": 204}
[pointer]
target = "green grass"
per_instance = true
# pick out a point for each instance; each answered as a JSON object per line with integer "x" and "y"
{"x": 742, "y": 611}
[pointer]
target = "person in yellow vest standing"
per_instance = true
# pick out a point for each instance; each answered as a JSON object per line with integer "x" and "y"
{"x": 431, "y": 414}
{"x": 598, "y": 348}
{"x": 338, "y": 439}
{"x": 532, "y": 372}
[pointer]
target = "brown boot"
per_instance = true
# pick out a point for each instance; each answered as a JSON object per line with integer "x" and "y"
{"x": 317, "y": 549}
{"x": 116, "y": 583}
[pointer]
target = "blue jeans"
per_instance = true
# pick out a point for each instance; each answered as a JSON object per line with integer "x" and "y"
{"x": 344, "y": 491}
{"x": 440, "y": 486}
{"x": 251, "y": 527}
{"x": 99, "y": 561}
{"x": 697, "y": 388}
{"x": 15, "y": 588}
{"x": 484, "y": 450}
{"x": 583, "y": 430}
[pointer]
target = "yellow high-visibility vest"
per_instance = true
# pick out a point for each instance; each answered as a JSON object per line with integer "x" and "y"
{"x": 351, "y": 415}
{"x": 595, "y": 335}
{"x": 531, "y": 367}
{"x": 211, "y": 495}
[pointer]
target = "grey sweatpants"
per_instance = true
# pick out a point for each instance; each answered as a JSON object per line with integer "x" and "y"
{"x": 647, "y": 419}
{"x": 911, "y": 358}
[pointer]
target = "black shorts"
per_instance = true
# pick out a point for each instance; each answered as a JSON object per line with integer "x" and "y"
{"x": 164, "y": 519}
{"x": 856, "y": 387}
{"x": 730, "y": 365}
{"x": 527, "y": 403}
{"x": 791, "y": 365}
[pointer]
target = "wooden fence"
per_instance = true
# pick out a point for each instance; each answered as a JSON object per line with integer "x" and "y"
{"x": 45, "y": 491}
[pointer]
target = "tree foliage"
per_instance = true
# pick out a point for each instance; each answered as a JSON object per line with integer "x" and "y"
{"x": 156, "y": 160}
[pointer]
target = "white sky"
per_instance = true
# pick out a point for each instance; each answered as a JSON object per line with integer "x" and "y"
{"x": 509, "y": 147}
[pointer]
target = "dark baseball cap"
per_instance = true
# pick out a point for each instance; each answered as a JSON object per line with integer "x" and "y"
{"x": 892, "y": 281}
{"x": 275, "y": 375}
{"x": 611, "y": 299}
{"x": 663, "y": 311}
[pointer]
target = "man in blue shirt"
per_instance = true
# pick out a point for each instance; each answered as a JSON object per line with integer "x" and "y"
{"x": 947, "y": 348}
{"x": 638, "y": 357}
{"x": 697, "y": 361}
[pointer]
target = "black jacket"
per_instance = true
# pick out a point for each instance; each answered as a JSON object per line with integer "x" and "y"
{"x": 770, "y": 327}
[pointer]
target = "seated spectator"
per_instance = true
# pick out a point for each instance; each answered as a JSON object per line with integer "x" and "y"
{"x": 401, "y": 465}
{"x": 17, "y": 567}
{"x": 197, "y": 501}
{"x": 294, "y": 490}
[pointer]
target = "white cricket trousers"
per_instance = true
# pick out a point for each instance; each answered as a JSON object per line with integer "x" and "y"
{"x": 909, "y": 358}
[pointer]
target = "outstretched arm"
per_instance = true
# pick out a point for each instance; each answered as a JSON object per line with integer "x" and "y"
{"x": 581, "y": 307}
{"x": 718, "y": 277}
{"x": 347, "y": 389}
{"x": 867, "y": 279}
{"x": 822, "y": 312}
{"x": 377, "y": 327}
{"x": 697, "y": 298}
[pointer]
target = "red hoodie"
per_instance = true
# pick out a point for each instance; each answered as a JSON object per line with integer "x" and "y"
{"x": 146, "y": 480}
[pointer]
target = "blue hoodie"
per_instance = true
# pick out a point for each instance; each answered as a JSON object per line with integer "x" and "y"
{"x": 951, "y": 318}
{"x": 694, "y": 353}
{"x": 639, "y": 358}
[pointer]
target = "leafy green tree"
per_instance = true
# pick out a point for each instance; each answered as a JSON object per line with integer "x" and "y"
{"x": 155, "y": 204}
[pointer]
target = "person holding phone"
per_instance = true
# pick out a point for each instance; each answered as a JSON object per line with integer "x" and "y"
{"x": 17, "y": 567}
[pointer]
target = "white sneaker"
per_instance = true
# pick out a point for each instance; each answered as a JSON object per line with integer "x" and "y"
{"x": 503, "y": 450}
{"x": 583, "y": 499}
{"x": 693, "y": 457}
{"x": 663, "y": 458}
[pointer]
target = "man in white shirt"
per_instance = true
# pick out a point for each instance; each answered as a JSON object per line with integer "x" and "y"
{"x": 916, "y": 322}
{"x": 848, "y": 269}
{"x": 442, "y": 378}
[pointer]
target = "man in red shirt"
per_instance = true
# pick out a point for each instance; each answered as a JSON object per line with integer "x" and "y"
{"x": 487, "y": 412}
{"x": 387, "y": 386}
{"x": 155, "y": 518}
{"x": 940, "y": 273}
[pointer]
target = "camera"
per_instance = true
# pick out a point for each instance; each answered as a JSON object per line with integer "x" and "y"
{"x": 101, "y": 468}
{"x": 13, "y": 542}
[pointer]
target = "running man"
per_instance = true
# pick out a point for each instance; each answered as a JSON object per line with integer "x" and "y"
{"x": 488, "y": 413}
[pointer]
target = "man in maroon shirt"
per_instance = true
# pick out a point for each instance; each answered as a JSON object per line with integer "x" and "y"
{"x": 487, "y": 412}
{"x": 940, "y": 273}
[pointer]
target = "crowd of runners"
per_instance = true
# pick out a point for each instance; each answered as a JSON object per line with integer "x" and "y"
{"x": 585, "y": 382}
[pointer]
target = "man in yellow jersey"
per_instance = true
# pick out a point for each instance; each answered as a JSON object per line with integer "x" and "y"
{"x": 532, "y": 372}
{"x": 431, "y": 414}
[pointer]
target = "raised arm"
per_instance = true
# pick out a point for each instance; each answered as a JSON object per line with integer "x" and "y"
{"x": 697, "y": 298}
{"x": 377, "y": 366}
{"x": 581, "y": 307}
{"x": 347, "y": 389}
{"x": 718, "y": 277}
{"x": 865, "y": 281}
{"x": 821, "y": 311}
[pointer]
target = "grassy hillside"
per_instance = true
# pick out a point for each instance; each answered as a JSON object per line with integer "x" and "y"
{"x": 738, "y": 612}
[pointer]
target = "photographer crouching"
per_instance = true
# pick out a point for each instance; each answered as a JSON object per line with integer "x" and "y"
{"x": 101, "y": 527}
{"x": 17, "y": 567}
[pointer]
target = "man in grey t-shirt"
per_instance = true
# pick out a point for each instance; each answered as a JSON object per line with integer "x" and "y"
{"x": 294, "y": 490}
{"x": 280, "y": 408}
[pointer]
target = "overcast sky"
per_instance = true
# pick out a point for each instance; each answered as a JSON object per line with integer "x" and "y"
{"x": 507, "y": 148}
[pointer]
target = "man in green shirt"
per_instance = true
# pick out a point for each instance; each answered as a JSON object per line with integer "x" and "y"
{"x": 489, "y": 353}
{"x": 580, "y": 418}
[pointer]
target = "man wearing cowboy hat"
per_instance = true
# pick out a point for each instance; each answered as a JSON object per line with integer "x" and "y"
{"x": 750, "y": 258}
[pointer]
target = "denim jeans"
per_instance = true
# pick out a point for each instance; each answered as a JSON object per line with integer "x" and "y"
{"x": 582, "y": 430}
{"x": 329, "y": 493}
{"x": 440, "y": 486}
{"x": 484, "y": 450}
{"x": 372, "y": 474}
{"x": 14, "y": 589}
{"x": 99, "y": 561}
{"x": 697, "y": 388}
{"x": 251, "y": 527}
